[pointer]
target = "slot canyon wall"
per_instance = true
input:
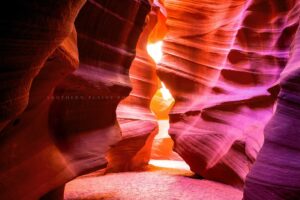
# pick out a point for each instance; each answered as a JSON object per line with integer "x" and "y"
{"x": 36, "y": 38}
{"x": 68, "y": 106}
{"x": 221, "y": 63}
{"x": 56, "y": 124}
{"x": 137, "y": 122}
{"x": 275, "y": 174}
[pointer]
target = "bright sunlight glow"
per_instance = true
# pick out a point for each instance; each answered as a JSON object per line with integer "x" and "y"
{"x": 155, "y": 51}
{"x": 165, "y": 92}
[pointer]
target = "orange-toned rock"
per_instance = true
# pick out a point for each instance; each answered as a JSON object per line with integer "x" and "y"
{"x": 137, "y": 122}
{"x": 162, "y": 103}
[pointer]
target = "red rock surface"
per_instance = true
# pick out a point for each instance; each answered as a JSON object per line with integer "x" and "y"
{"x": 65, "y": 134}
{"x": 31, "y": 164}
{"x": 137, "y": 123}
{"x": 26, "y": 143}
{"x": 276, "y": 172}
{"x": 30, "y": 32}
{"x": 221, "y": 63}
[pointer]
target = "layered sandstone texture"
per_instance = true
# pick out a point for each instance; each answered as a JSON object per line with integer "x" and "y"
{"x": 221, "y": 63}
{"x": 30, "y": 32}
{"x": 137, "y": 122}
{"x": 276, "y": 172}
{"x": 56, "y": 123}
{"x": 36, "y": 38}
{"x": 62, "y": 82}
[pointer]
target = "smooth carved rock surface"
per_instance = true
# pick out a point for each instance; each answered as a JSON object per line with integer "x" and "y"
{"x": 276, "y": 172}
{"x": 137, "y": 122}
{"x": 107, "y": 37}
{"x": 221, "y": 63}
{"x": 28, "y": 152}
{"x": 70, "y": 120}
{"x": 30, "y": 32}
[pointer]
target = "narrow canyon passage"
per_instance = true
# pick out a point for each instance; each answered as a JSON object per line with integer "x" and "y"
{"x": 161, "y": 104}
{"x": 150, "y": 99}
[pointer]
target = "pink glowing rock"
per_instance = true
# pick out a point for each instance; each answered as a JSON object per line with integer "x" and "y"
{"x": 156, "y": 183}
{"x": 221, "y": 63}
{"x": 276, "y": 172}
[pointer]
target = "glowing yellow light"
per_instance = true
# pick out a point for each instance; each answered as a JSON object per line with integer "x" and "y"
{"x": 165, "y": 92}
{"x": 155, "y": 51}
{"x": 170, "y": 164}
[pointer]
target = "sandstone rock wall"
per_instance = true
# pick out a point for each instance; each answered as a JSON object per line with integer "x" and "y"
{"x": 70, "y": 121}
{"x": 276, "y": 174}
{"x": 221, "y": 63}
{"x": 137, "y": 123}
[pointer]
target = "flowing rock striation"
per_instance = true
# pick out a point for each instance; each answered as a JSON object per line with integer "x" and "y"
{"x": 30, "y": 32}
{"x": 70, "y": 121}
{"x": 221, "y": 63}
{"x": 137, "y": 122}
{"x": 276, "y": 172}
{"x": 31, "y": 164}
